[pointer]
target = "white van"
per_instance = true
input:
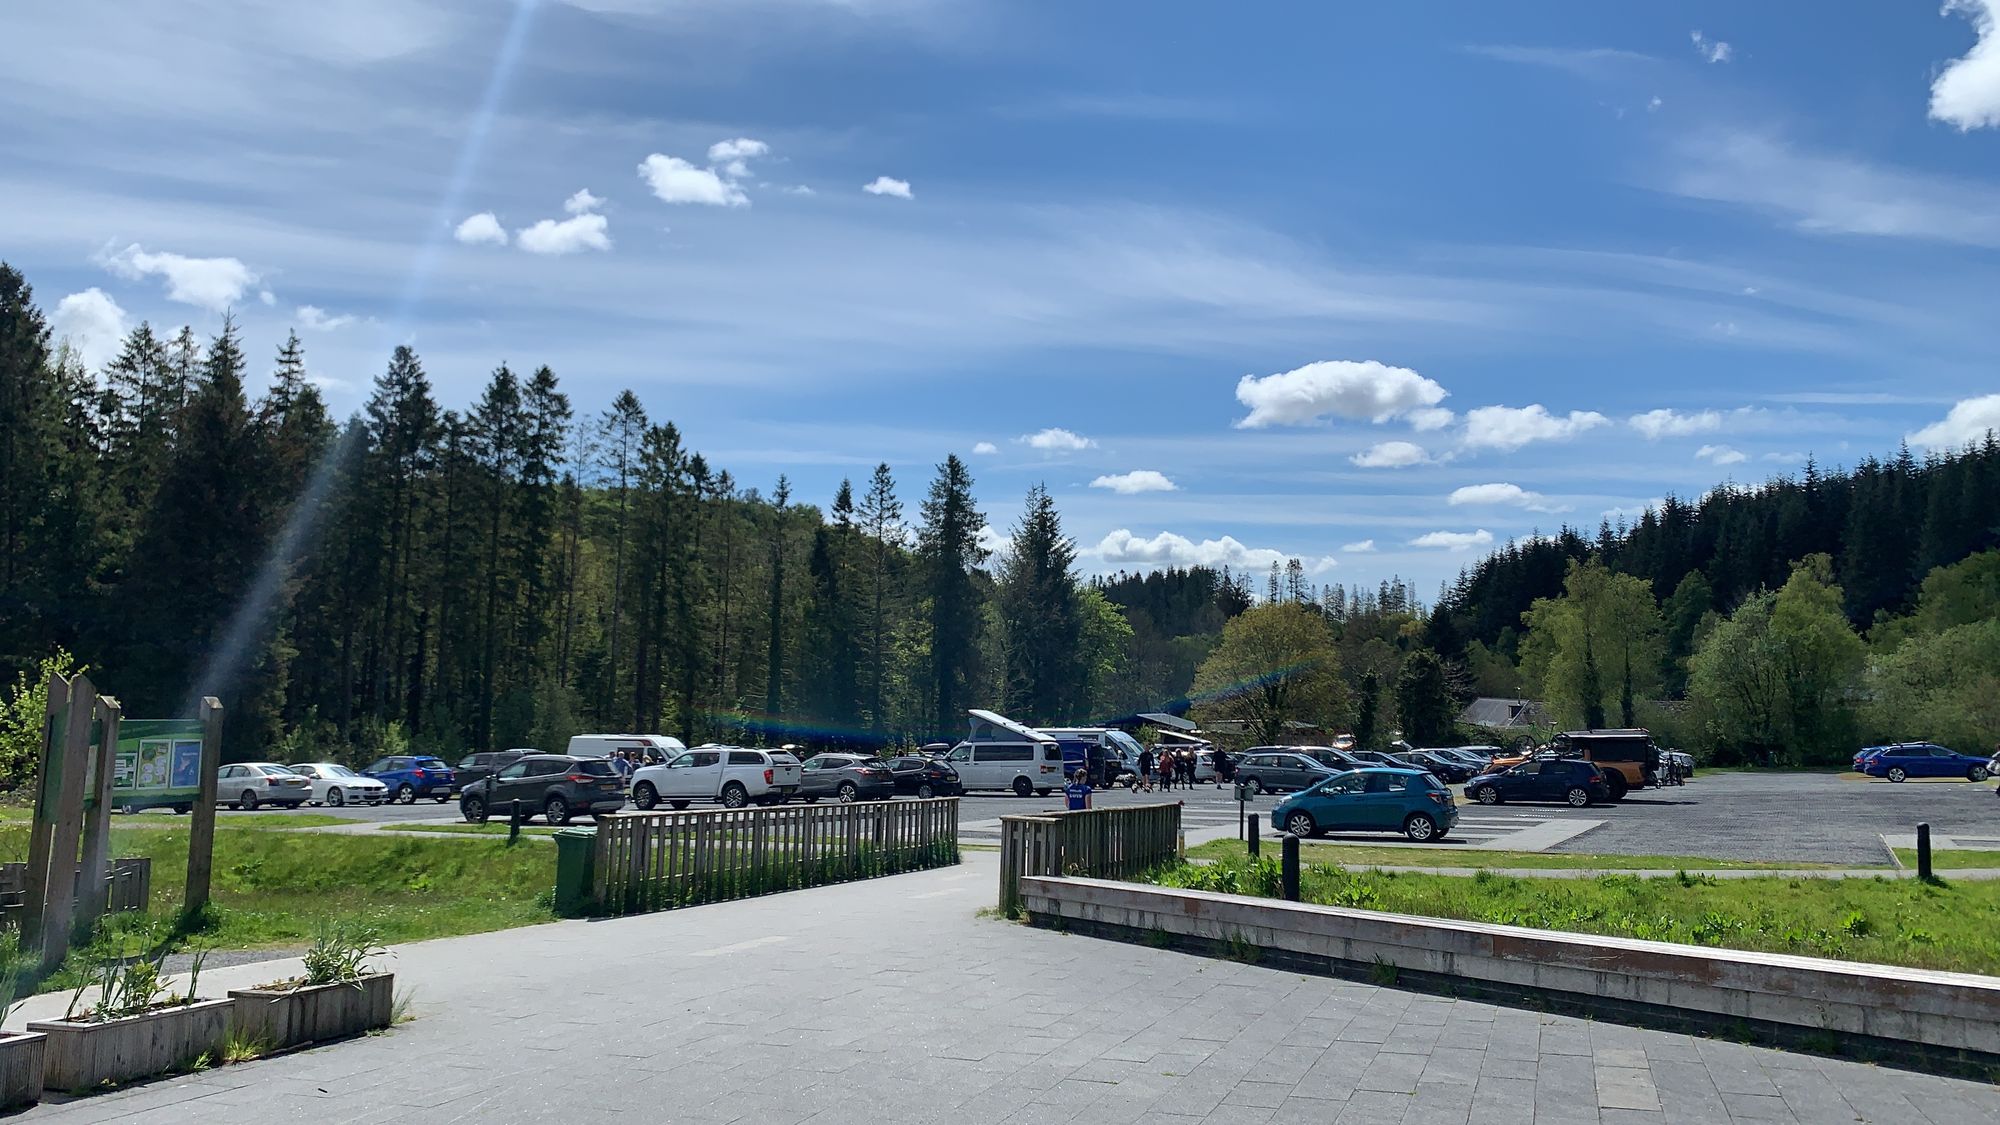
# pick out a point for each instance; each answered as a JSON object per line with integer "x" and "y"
{"x": 601, "y": 745}
{"x": 1000, "y": 753}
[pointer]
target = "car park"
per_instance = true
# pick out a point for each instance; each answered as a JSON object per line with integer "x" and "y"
{"x": 735, "y": 776}
{"x": 1111, "y": 754}
{"x": 1924, "y": 759}
{"x": 486, "y": 763}
{"x": 249, "y": 784}
{"x": 846, "y": 777}
{"x": 1572, "y": 781}
{"x": 556, "y": 786}
{"x": 1412, "y": 802}
{"x": 1450, "y": 769}
{"x": 918, "y": 776}
{"x": 999, "y": 753}
{"x": 410, "y": 776}
{"x": 1279, "y": 770}
{"x": 336, "y": 785}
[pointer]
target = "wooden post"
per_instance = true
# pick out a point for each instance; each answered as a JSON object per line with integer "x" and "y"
{"x": 201, "y": 838}
{"x": 92, "y": 877}
{"x": 58, "y": 916}
{"x": 35, "y": 883}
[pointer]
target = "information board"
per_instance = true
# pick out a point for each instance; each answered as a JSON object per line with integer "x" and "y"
{"x": 158, "y": 764}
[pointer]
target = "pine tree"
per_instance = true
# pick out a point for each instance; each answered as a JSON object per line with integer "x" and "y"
{"x": 1424, "y": 702}
{"x": 1037, "y": 594}
{"x": 774, "y": 667}
{"x": 403, "y": 423}
{"x": 948, "y": 543}
{"x": 25, "y": 400}
{"x": 624, "y": 428}
{"x": 882, "y": 519}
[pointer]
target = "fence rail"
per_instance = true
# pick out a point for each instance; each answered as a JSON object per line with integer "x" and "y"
{"x": 661, "y": 860}
{"x": 1113, "y": 843}
{"x": 128, "y": 885}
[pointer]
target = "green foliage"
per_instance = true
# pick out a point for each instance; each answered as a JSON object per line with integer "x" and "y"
{"x": 1367, "y": 711}
{"x": 1943, "y": 686}
{"x": 24, "y": 714}
{"x": 1776, "y": 678}
{"x": 1041, "y": 618}
{"x": 1595, "y": 652}
{"x": 1425, "y": 702}
{"x": 1276, "y": 664}
{"x": 341, "y": 952}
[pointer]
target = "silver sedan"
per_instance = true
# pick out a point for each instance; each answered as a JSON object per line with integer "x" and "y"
{"x": 249, "y": 784}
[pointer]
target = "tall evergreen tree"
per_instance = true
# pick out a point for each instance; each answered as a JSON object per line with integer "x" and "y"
{"x": 1037, "y": 595}
{"x": 774, "y": 667}
{"x": 881, "y": 516}
{"x": 948, "y": 543}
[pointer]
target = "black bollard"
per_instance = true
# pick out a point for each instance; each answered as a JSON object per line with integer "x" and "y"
{"x": 1288, "y": 867}
{"x": 1253, "y": 836}
{"x": 1924, "y": 852}
{"x": 515, "y": 816}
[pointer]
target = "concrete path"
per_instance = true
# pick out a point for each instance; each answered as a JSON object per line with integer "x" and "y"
{"x": 890, "y": 1001}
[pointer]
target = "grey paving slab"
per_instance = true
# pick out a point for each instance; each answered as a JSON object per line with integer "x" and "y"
{"x": 787, "y": 1009}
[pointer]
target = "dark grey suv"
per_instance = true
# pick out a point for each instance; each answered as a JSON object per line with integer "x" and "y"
{"x": 555, "y": 786}
{"x": 1267, "y": 770}
{"x": 847, "y": 777}
{"x": 486, "y": 763}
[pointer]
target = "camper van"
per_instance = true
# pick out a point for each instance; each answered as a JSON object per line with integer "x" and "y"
{"x": 999, "y": 753}
{"x": 1111, "y": 754}
{"x": 646, "y": 746}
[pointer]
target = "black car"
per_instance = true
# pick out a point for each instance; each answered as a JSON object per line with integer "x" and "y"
{"x": 1447, "y": 770}
{"x": 486, "y": 763}
{"x": 1569, "y": 780}
{"x": 555, "y": 786}
{"x": 925, "y": 777}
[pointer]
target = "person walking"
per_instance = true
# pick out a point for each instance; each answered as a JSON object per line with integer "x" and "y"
{"x": 1223, "y": 766}
{"x": 1146, "y": 769}
{"x": 1076, "y": 795}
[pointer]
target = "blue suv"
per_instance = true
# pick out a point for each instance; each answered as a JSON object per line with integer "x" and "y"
{"x": 1923, "y": 759}
{"x": 1387, "y": 800}
{"x": 410, "y": 776}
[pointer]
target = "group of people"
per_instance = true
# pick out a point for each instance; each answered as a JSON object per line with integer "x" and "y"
{"x": 1175, "y": 768}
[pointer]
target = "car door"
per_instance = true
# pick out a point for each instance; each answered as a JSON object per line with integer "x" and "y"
{"x": 815, "y": 779}
{"x": 699, "y": 774}
{"x": 1337, "y": 807}
{"x": 1374, "y": 806}
{"x": 1942, "y": 762}
{"x": 506, "y": 786}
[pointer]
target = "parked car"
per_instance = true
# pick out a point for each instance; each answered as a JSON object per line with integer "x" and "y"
{"x": 846, "y": 777}
{"x": 1862, "y": 757}
{"x": 1447, "y": 768}
{"x": 1111, "y": 754}
{"x": 249, "y": 784}
{"x": 410, "y": 776}
{"x": 1573, "y": 781}
{"x": 1389, "y": 800}
{"x": 1629, "y": 758}
{"x": 1276, "y": 770}
{"x": 336, "y": 785}
{"x": 486, "y": 763}
{"x": 1925, "y": 759}
{"x": 734, "y": 775}
{"x": 1328, "y": 756}
{"x": 917, "y": 776}
{"x": 1343, "y": 742}
{"x": 1478, "y": 757}
{"x": 557, "y": 786}
{"x": 999, "y": 753}
{"x": 647, "y": 747}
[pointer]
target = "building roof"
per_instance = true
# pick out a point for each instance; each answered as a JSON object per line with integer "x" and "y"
{"x": 1488, "y": 711}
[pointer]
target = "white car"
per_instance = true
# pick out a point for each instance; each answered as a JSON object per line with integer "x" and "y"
{"x": 734, "y": 775}
{"x": 336, "y": 785}
{"x": 249, "y": 784}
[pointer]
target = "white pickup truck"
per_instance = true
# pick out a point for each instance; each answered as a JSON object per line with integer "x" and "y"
{"x": 733, "y": 775}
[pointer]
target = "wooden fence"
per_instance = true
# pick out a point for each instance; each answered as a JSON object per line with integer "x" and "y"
{"x": 128, "y": 886}
{"x": 661, "y": 860}
{"x": 1111, "y": 843}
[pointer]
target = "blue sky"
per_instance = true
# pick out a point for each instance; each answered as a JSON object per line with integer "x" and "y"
{"x": 1372, "y": 285}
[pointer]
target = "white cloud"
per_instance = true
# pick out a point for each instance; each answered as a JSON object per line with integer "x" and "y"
{"x": 1360, "y": 389}
{"x": 1654, "y": 103}
{"x": 584, "y": 232}
{"x": 731, "y": 156}
{"x": 1391, "y": 455}
{"x": 1656, "y": 424}
{"x": 210, "y": 283}
{"x": 1138, "y": 480}
{"x": 1635, "y": 511}
{"x": 800, "y": 189}
{"x": 582, "y": 202}
{"x": 1714, "y": 50}
{"x": 1365, "y": 546}
{"x": 266, "y": 297}
{"x": 1721, "y": 455}
{"x": 1784, "y": 458}
{"x": 92, "y": 323}
{"x": 993, "y": 541}
{"x": 1454, "y": 540}
{"x": 1511, "y": 427}
{"x": 1430, "y": 418}
{"x": 1967, "y": 422}
{"x": 985, "y": 447}
{"x": 481, "y": 228}
{"x": 674, "y": 180}
{"x": 1966, "y": 92}
{"x": 1122, "y": 548}
{"x": 884, "y": 185}
{"x": 1500, "y": 494}
{"x": 1055, "y": 439}
{"x": 314, "y": 318}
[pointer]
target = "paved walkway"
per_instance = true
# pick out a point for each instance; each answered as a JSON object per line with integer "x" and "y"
{"x": 890, "y": 1002}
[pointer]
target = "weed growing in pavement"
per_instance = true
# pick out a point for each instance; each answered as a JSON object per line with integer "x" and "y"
{"x": 238, "y": 1047}
{"x": 1384, "y": 973}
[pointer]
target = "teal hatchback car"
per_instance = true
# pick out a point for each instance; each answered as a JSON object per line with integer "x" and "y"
{"x": 1412, "y": 802}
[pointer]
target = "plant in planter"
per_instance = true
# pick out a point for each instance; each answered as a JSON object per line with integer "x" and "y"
{"x": 21, "y": 1052}
{"x": 136, "y": 1027}
{"x": 338, "y": 996}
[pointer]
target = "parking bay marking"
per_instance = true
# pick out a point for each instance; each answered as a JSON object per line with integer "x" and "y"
{"x": 753, "y": 943}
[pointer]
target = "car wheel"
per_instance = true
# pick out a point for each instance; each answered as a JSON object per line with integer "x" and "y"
{"x": 645, "y": 796}
{"x": 556, "y": 810}
{"x": 406, "y": 793}
{"x": 1896, "y": 774}
{"x": 1043, "y": 792}
{"x": 1579, "y": 797}
{"x": 1976, "y": 773}
{"x": 473, "y": 809}
{"x": 182, "y": 810}
{"x": 1618, "y": 786}
{"x": 1486, "y": 795}
{"x": 1023, "y": 787}
{"x": 248, "y": 802}
{"x": 847, "y": 792}
{"x": 927, "y": 792}
{"x": 335, "y": 798}
{"x": 678, "y": 804}
{"x": 1301, "y": 824}
{"x": 1253, "y": 786}
{"x": 811, "y": 800}
{"x": 441, "y": 798}
{"x": 1420, "y": 827}
{"x": 734, "y": 796}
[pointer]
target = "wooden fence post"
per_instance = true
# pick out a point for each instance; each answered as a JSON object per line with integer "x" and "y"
{"x": 59, "y": 915}
{"x": 201, "y": 836}
{"x": 93, "y": 875}
{"x": 48, "y": 781}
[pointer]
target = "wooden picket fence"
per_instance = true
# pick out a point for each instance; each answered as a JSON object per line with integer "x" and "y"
{"x": 127, "y": 886}
{"x": 661, "y": 860}
{"x": 1110, "y": 843}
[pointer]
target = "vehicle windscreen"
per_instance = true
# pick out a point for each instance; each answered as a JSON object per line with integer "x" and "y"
{"x": 431, "y": 764}
{"x": 1126, "y": 743}
{"x": 596, "y": 767}
{"x": 873, "y": 763}
{"x": 337, "y": 771}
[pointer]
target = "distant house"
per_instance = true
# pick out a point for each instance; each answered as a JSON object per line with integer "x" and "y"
{"x": 1504, "y": 714}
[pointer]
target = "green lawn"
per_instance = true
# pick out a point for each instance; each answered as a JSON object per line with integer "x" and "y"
{"x": 1447, "y": 855}
{"x": 1886, "y": 921}
{"x": 490, "y": 828}
{"x": 1951, "y": 859}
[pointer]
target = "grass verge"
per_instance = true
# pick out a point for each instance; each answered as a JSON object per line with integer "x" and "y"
{"x": 1884, "y": 921}
{"x": 490, "y": 828}
{"x": 1951, "y": 859}
{"x": 1447, "y": 855}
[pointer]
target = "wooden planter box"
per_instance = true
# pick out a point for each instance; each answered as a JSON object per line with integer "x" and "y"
{"x": 81, "y": 1056}
{"x": 282, "y": 1018}
{"x": 21, "y": 1055}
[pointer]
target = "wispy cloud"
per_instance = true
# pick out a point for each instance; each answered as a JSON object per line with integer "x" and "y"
{"x": 1585, "y": 62}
